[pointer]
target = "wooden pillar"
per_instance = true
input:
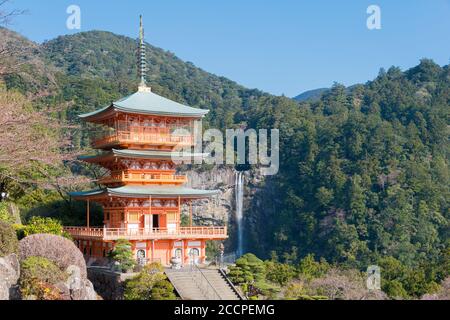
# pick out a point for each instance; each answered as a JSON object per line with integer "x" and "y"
{"x": 179, "y": 210}
{"x": 190, "y": 213}
{"x": 87, "y": 213}
{"x": 151, "y": 216}
{"x": 153, "y": 250}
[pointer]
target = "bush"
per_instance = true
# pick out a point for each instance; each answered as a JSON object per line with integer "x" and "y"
{"x": 280, "y": 273}
{"x": 4, "y": 213}
{"x": 248, "y": 268}
{"x": 339, "y": 284}
{"x": 150, "y": 284}
{"x": 38, "y": 225}
{"x": 123, "y": 255}
{"x": 8, "y": 239}
{"x": 309, "y": 268}
{"x": 38, "y": 276}
{"x": 61, "y": 251}
{"x": 250, "y": 273}
{"x": 163, "y": 290}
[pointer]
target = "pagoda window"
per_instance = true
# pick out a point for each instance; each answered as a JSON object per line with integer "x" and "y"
{"x": 133, "y": 217}
{"x": 171, "y": 216}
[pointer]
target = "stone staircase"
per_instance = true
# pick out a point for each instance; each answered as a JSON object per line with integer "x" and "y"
{"x": 193, "y": 283}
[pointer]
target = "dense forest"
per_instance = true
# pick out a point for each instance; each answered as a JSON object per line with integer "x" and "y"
{"x": 364, "y": 173}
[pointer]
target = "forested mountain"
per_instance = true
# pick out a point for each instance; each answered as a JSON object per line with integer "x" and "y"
{"x": 363, "y": 175}
{"x": 311, "y": 95}
{"x": 363, "y": 172}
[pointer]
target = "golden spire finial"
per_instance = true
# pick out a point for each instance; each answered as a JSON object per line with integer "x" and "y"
{"x": 142, "y": 61}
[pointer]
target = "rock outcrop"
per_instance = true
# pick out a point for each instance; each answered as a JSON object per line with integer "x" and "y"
{"x": 218, "y": 209}
{"x": 259, "y": 197}
{"x": 61, "y": 251}
{"x": 107, "y": 283}
{"x": 9, "y": 275}
{"x": 76, "y": 287}
{"x": 65, "y": 255}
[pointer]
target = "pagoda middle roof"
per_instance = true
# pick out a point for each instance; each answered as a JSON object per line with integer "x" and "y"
{"x": 147, "y": 102}
{"x": 143, "y": 154}
{"x": 146, "y": 192}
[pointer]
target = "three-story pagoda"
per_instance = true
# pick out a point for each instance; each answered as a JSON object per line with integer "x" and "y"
{"x": 142, "y": 197}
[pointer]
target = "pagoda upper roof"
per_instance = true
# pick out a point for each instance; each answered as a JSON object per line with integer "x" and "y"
{"x": 146, "y": 192}
{"x": 143, "y": 154}
{"x": 147, "y": 102}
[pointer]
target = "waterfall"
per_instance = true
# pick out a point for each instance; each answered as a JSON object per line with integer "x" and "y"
{"x": 239, "y": 198}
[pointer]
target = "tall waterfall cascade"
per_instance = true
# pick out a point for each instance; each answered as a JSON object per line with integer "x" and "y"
{"x": 239, "y": 198}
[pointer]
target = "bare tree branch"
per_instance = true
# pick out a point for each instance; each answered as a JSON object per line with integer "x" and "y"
{"x": 6, "y": 16}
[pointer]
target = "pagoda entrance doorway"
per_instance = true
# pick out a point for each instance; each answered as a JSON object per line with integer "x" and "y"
{"x": 148, "y": 221}
{"x": 156, "y": 221}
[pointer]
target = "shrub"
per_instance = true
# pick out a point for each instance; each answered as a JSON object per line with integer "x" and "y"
{"x": 38, "y": 276}
{"x": 280, "y": 273}
{"x": 61, "y": 251}
{"x": 123, "y": 255}
{"x": 8, "y": 239}
{"x": 4, "y": 213}
{"x": 309, "y": 268}
{"x": 150, "y": 284}
{"x": 339, "y": 284}
{"x": 250, "y": 273}
{"x": 38, "y": 225}
{"x": 163, "y": 290}
{"x": 248, "y": 268}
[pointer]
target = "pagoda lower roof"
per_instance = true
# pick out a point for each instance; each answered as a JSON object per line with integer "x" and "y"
{"x": 146, "y": 192}
{"x": 143, "y": 154}
{"x": 147, "y": 102}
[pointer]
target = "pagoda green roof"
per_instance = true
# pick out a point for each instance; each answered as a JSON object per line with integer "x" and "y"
{"x": 147, "y": 191}
{"x": 147, "y": 102}
{"x": 146, "y": 154}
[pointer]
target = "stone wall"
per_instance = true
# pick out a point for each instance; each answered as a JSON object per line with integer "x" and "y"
{"x": 108, "y": 284}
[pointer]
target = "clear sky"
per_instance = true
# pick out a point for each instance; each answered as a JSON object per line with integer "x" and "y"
{"x": 279, "y": 46}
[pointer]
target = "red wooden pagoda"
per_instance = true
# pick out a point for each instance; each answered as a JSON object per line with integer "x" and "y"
{"x": 142, "y": 197}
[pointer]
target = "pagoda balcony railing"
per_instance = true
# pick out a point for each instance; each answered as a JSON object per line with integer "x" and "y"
{"x": 147, "y": 234}
{"x": 141, "y": 135}
{"x": 130, "y": 177}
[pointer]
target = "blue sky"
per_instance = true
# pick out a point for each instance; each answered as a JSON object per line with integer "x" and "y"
{"x": 282, "y": 47}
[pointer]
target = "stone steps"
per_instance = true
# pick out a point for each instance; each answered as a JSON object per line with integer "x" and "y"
{"x": 189, "y": 289}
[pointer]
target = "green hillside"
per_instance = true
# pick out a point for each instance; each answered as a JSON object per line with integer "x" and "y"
{"x": 364, "y": 174}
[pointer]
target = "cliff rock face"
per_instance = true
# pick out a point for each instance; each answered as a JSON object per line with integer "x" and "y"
{"x": 216, "y": 210}
{"x": 9, "y": 275}
{"x": 259, "y": 195}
